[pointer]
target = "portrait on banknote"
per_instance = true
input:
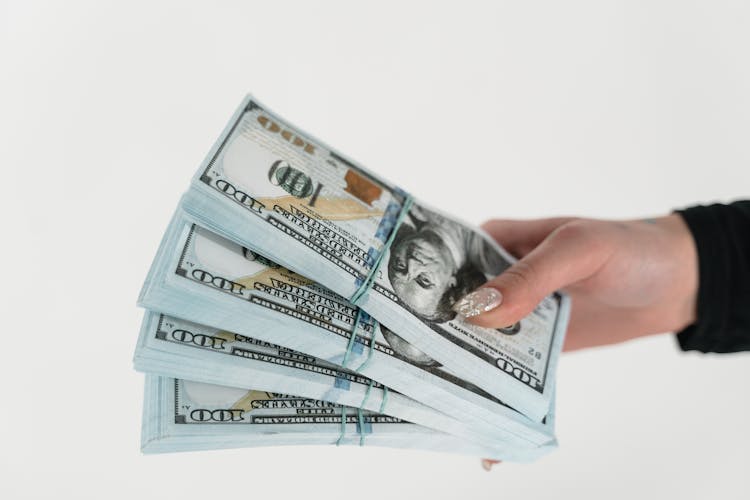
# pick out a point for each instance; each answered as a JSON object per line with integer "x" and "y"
{"x": 435, "y": 261}
{"x": 406, "y": 350}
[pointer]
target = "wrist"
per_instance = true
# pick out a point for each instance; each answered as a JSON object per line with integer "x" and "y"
{"x": 684, "y": 258}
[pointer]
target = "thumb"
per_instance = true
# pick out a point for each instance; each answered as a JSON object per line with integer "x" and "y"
{"x": 571, "y": 253}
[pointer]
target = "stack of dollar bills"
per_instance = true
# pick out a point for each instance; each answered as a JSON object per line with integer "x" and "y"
{"x": 298, "y": 298}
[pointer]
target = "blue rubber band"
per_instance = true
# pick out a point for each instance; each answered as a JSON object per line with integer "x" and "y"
{"x": 343, "y": 425}
{"x": 370, "y": 280}
{"x": 361, "y": 422}
{"x": 385, "y": 400}
{"x": 360, "y": 419}
{"x": 367, "y": 394}
{"x": 351, "y": 338}
{"x": 370, "y": 350}
{"x": 344, "y": 362}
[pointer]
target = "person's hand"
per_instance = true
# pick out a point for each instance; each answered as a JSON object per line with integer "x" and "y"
{"x": 487, "y": 463}
{"x": 626, "y": 279}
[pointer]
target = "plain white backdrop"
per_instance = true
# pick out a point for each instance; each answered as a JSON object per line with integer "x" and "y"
{"x": 513, "y": 109}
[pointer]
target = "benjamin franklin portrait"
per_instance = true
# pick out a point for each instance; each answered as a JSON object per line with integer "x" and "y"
{"x": 435, "y": 261}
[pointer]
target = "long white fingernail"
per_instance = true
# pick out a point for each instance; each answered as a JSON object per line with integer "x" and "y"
{"x": 478, "y": 302}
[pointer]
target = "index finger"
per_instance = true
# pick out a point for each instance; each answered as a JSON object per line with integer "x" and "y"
{"x": 519, "y": 236}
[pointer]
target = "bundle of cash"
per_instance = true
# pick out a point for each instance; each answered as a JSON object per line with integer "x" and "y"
{"x": 182, "y": 415}
{"x": 301, "y": 299}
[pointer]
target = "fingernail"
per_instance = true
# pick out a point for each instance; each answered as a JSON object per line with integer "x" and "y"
{"x": 487, "y": 464}
{"x": 478, "y": 302}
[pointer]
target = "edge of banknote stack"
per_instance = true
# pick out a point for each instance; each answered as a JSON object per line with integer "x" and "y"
{"x": 251, "y": 338}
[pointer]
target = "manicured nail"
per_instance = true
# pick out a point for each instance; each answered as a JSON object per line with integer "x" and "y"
{"x": 487, "y": 464}
{"x": 478, "y": 302}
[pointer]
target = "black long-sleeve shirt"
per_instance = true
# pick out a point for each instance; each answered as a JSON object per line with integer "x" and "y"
{"x": 722, "y": 238}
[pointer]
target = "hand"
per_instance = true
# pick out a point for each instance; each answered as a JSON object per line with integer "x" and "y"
{"x": 487, "y": 463}
{"x": 626, "y": 279}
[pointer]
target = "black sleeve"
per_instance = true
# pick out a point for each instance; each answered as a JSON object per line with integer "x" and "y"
{"x": 722, "y": 238}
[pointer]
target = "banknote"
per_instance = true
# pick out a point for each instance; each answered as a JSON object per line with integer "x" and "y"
{"x": 182, "y": 415}
{"x": 174, "y": 347}
{"x": 205, "y": 278}
{"x": 281, "y": 192}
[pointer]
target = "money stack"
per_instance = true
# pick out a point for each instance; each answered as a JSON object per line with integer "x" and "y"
{"x": 298, "y": 298}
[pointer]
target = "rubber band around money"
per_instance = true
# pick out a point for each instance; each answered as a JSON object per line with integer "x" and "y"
{"x": 360, "y": 416}
{"x": 360, "y": 419}
{"x": 349, "y": 346}
{"x": 369, "y": 281}
{"x": 385, "y": 400}
{"x": 344, "y": 362}
{"x": 370, "y": 350}
{"x": 343, "y": 425}
{"x": 358, "y": 294}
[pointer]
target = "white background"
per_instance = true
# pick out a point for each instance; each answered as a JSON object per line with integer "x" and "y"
{"x": 516, "y": 109}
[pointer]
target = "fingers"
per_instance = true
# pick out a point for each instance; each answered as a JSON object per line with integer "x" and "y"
{"x": 571, "y": 253}
{"x": 519, "y": 237}
{"x": 487, "y": 463}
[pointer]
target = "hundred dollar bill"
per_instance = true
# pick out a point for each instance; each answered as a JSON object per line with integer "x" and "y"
{"x": 182, "y": 415}
{"x": 170, "y": 346}
{"x": 204, "y": 278}
{"x": 278, "y": 191}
